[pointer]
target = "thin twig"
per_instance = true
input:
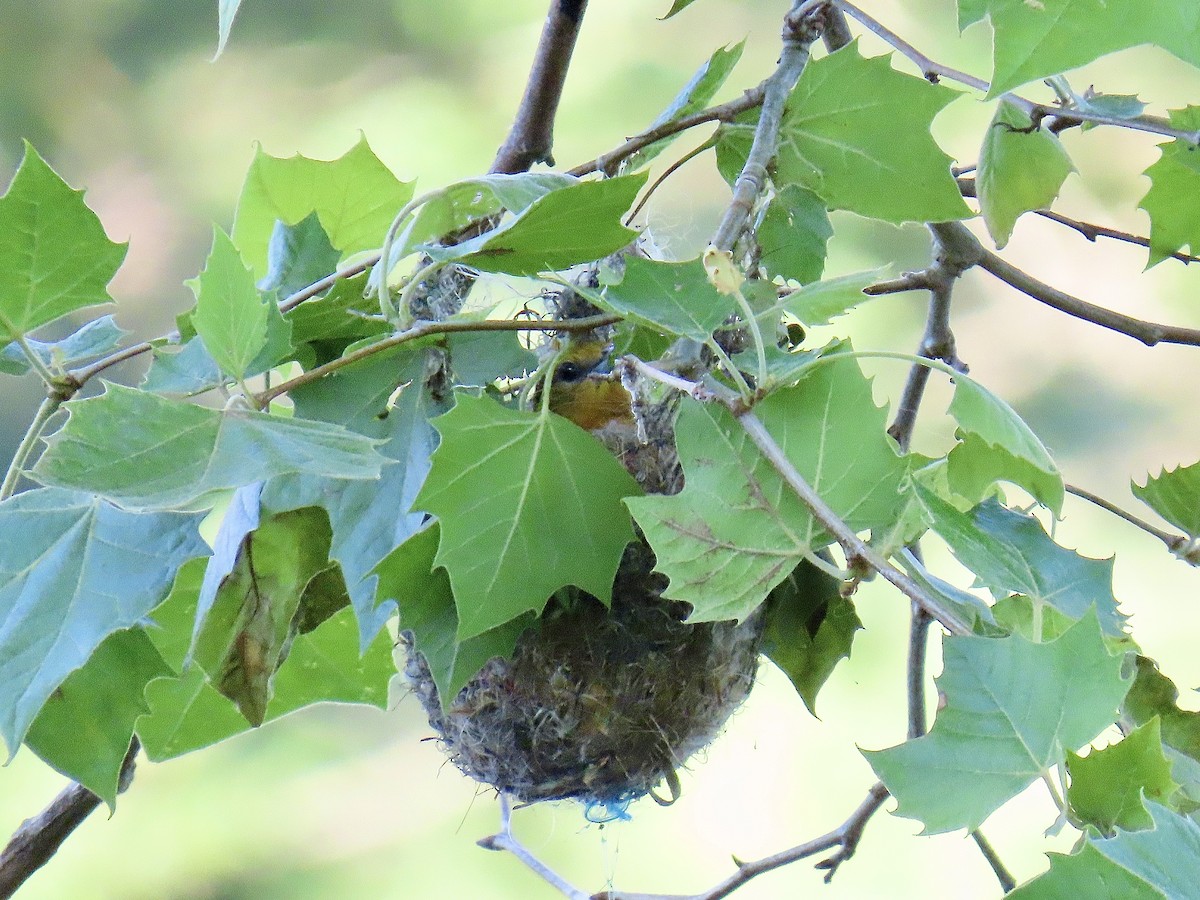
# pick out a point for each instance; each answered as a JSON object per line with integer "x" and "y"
{"x": 845, "y": 838}
{"x": 424, "y": 329}
{"x": 800, "y": 29}
{"x": 667, "y": 173}
{"x": 1182, "y": 545}
{"x": 1089, "y": 230}
{"x": 918, "y": 644}
{"x": 531, "y": 138}
{"x": 504, "y": 840}
{"x": 16, "y": 466}
{"x": 724, "y": 112}
{"x": 933, "y": 71}
{"x": 853, "y": 546}
{"x": 39, "y": 838}
{"x": 1149, "y": 333}
{"x": 938, "y": 340}
{"x": 1005, "y": 877}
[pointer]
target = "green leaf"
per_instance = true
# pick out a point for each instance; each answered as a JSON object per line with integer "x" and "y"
{"x": 1174, "y": 179}
{"x": 809, "y": 628}
{"x": 146, "y": 452}
{"x": 298, "y": 255}
{"x": 458, "y": 205}
{"x": 856, "y": 133}
{"x": 527, "y": 504}
{"x": 1033, "y": 40}
{"x": 184, "y": 370}
{"x": 1008, "y": 445}
{"x": 1010, "y": 552}
{"x": 1162, "y": 863}
{"x": 407, "y": 576}
{"x": 1018, "y": 171}
{"x": 230, "y": 316}
{"x": 1154, "y": 696}
{"x": 94, "y": 338}
{"x": 1011, "y": 707}
{"x": 226, "y": 11}
{"x": 1108, "y": 786}
{"x": 355, "y": 198}
{"x": 793, "y": 235}
{"x": 250, "y": 608}
{"x": 54, "y": 255}
{"x": 575, "y": 224}
{"x": 673, "y": 297}
{"x": 73, "y": 570}
{"x": 369, "y": 518}
{"x": 325, "y": 665}
{"x": 974, "y": 467}
{"x": 736, "y": 529}
{"x": 480, "y": 357}
{"x": 822, "y": 301}
{"x": 337, "y": 315}
{"x": 693, "y": 97}
{"x": 1175, "y": 495}
{"x": 678, "y": 6}
{"x": 84, "y": 729}
{"x": 1115, "y": 106}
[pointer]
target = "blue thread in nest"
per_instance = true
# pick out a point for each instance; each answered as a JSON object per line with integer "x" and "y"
{"x": 616, "y": 809}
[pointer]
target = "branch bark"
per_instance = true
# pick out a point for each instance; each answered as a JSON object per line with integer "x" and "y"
{"x": 38, "y": 838}
{"x": 531, "y": 138}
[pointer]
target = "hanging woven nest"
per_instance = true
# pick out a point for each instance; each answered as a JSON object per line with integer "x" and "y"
{"x": 595, "y": 703}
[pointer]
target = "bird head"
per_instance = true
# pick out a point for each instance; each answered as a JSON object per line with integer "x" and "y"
{"x": 584, "y": 389}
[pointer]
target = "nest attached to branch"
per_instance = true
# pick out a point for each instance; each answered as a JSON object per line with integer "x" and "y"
{"x": 595, "y": 703}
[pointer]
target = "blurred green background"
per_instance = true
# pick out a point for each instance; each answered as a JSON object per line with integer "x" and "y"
{"x": 121, "y": 98}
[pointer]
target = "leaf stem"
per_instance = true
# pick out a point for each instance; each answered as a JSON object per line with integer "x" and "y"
{"x": 47, "y": 409}
{"x": 48, "y": 377}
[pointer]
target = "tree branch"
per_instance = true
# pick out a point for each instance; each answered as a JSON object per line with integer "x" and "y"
{"x": 1149, "y": 333}
{"x": 38, "y": 838}
{"x": 531, "y": 138}
{"x": 800, "y": 28}
{"x": 1065, "y": 118}
{"x": 1181, "y": 545}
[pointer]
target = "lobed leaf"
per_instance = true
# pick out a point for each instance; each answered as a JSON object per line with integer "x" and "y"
{"x": 1108, "y": 786}
{"x": 143, "y": 451}
{"x": 1175, "y": 495}
{"x": 1011, "y": 707}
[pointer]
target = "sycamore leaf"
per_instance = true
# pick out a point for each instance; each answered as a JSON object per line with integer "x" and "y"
{"x": 230, "y": 316}
{"x": 1011, "y": 709}
{"x": 736, "y": 529}
{"x": 94, "y": 338}
{"x": 355, "y": 198}
{"x": 1018, "y": 170}
{"x": 809, "y": 629}
{"x": 1175, "y": 495}
{"x": 54, "y": 255}
{"x": 678, "y": 6}
{"x": 575, "y": 224}
{"x": 1034, "y": 39}
{"x": 60, "y": 552}
{"x": 335, "y": 315}
{"x": 1010, "y": 552}
{"x": 226, "y": 12}
{"x": 1154, "y": 696}
{"x": 246, "y": 622}
{"x": 1174, "y": 179}
{"x": 1107, "y": 786}
{"x": 1161, "y": 863}
{"x": 298, "y": 255}
{"x": 146, "y": 452}
{"x": 693, "y": 97}
{"x": 368, "y": 518}
{"x": 674, "y": 297}
{"x": 408, "y": 576}
{"x": 821, "y": 301}
{"x": 460, "y": 204}
{"x": 1006, "y": 446}
{"x": 793, "y": 234}
{"x": 182, "y": 370}
{"x": 527, "y": 504}
{"x": 84, "y": 729}
{"x": 187, "y": 713}
{"x": 856, "y": 133}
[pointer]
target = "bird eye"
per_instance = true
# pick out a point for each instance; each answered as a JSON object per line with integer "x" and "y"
{"x": 567, "y": 372}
